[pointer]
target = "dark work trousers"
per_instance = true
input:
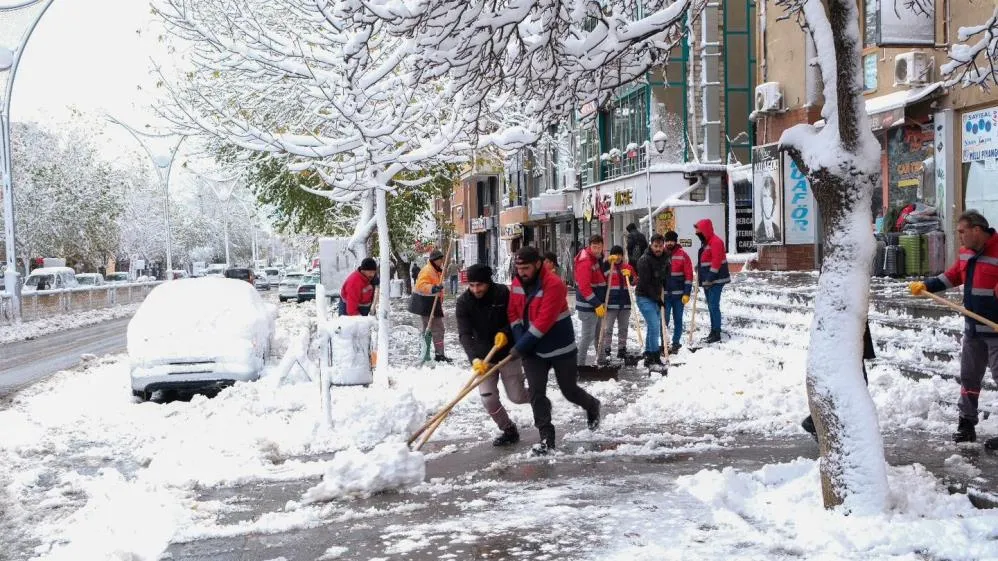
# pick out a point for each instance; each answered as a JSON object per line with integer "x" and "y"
{"x": 979, "y": 354}
{"x": 567, "y": 374}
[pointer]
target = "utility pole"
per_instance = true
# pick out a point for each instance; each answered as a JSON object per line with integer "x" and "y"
{"x": 17, "y": 22}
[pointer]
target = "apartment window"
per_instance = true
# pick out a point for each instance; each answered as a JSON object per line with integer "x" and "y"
{"x": 589, "y": 151}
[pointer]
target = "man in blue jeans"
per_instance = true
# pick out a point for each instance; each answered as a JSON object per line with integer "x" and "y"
{"x": 712, "y": 267}
{"x": 678, "y": 285}
{"x": 653, "y": 270}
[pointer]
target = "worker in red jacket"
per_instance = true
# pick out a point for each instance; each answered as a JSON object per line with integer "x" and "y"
{"x": 712, "y": 267}
{"x": 357, "y": 293}
{"x": 544, "y": 339}
{"x": 590, "y": 295}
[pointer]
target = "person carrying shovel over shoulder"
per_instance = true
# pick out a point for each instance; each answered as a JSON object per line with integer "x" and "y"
{"x": 545, "y": 339}
{"x": 482, "y": 314}
{"x": 429, "y": 288}
{"x": 976, "y": 269}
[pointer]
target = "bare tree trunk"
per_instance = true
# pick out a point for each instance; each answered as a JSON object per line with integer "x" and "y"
{"x": 384, "y": 303}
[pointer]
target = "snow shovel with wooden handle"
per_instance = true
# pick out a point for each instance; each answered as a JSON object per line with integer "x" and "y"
{"x": 475, "y": 382}
{"x": 606, "y": 371}
{"x": 419, "y": 431}
{"x": 961, "y": 309}
{"x": 693, "y": 316}
{"x": 665, "y": 348}
{"x": 637, "y": 317}
{"x": 438, "y": 299}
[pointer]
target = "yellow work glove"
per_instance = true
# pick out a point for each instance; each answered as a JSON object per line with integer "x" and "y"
{"x": 686, "y": 299}
{"x": 600, "y": 310}
{"x": 479, "y": 367}
{"x": 501, "y": 340}
{"x": 614, "y": 259}
{"x": 626, "y": 273}
{"x": 917, "y": 287}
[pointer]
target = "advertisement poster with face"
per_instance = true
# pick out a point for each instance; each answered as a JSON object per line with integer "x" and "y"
{"x": 767, "y": 186}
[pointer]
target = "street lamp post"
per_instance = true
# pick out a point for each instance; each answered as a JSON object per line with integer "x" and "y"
{"x": 17, "y": 22}
{"x": 659, "y": 142}
{"x": 223, "y": 196}
{"x": 163, "y": 162}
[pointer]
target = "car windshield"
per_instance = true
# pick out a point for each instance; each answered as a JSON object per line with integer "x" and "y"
{"x": 273, "y": 272}
{"x": 292, "y": 279}
{"x": 43, "y": 281}
{"x": 86, "y": 280}
{"x": 310, "y": 280}
{"x": 118, "y": 276}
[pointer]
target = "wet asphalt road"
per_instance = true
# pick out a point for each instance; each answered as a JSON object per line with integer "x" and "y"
{"x": 25, "y": 362}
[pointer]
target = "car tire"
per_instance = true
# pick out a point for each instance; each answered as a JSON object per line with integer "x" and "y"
{"x": 143, "y": 396}
{"x": 281, "y": 298}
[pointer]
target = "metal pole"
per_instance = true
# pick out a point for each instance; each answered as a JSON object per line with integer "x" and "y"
{"x": 11, "y": 283}
{"x": 648, "y": 179}
{"x": 163, "y": 168}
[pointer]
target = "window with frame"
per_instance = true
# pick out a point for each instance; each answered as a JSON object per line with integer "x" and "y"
{"x": 629, "y": 130}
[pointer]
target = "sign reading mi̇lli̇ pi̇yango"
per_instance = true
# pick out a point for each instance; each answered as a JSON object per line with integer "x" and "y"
{"x": 980, "y": 135}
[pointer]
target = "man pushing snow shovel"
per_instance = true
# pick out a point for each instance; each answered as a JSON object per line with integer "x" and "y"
{"x": 426, "y": 302}
{"x": 545, "y": 339}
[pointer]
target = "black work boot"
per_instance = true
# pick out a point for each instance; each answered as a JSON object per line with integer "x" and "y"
{"x": 991, "y": 443}
{"x": 442, "y": 358}
{"x": 621, "y": 353}
{"x": 546, "y": 444}
{"x": 592, "y": 416}
{"x": 508, "y": 436}
{"x": 808, "y": 425}
{"x": 965, "y": 431}
{"x": 674, "y": 348}
{"x": 713, "y": 337}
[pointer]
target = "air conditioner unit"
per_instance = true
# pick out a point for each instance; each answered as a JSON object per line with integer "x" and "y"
{"x": 768, "y": 97}
{"x": 913, "y": 68}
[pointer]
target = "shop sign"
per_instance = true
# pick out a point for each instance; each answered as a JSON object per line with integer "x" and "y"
{"x": 587, "y": 109}
{"x": 870, "y": 73}
{"x": 480, "y": 224}
{"x": 907, "y": 150}
{"x": 602, "y": 206}
{"x": 767, "y": 187}
{"x": 512, "y": 231}
{"x": 798, "y": 204}
{"x": 623, "y": 197}
{"x": 741, "y": 192}
{"x": 886, "y": 119}
{"x": 980, "y": 135}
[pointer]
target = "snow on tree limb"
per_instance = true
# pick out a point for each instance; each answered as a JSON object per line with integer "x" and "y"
{"x": 964, "y": 66}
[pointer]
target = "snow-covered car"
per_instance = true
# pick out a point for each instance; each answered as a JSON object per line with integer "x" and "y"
{"x": 179, "y": 274}
{"x": 288, "y": 289}
{"x": 116, "y": 278}
{"x": 261, "y": 281}
{"x": 50, "y": 278}
{"x": 198, "y": 335}
{"x": 90, "y": 279}
{"x": 306, "y": 288}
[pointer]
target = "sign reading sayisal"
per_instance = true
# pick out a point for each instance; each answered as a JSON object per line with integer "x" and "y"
{"x": 980, "y": 135}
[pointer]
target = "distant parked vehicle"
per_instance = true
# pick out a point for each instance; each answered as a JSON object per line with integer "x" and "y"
{"x": 50, "y": 278}
{"x": 306, "y": 289}
{"x": 179, "y": 274}
{"x": 273, "y": 275}
{"x": 288, "y": 289}
{"x": 198, "y": 335}
{"x": 260, "y": 280}
{"x": 240, "y": 273}
{"x": 116, "y": 278}
{"x": 215, "y": 269}
{"x": 90, "y": 279}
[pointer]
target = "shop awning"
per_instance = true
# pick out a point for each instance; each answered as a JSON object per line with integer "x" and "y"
{"x": 886, "y": 111}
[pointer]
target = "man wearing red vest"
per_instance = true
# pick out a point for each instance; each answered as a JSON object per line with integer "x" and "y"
{"x": 977, "y": 270}
{"x": 590, "y": 294}
{"x": 357, "y": 293}
{"x": 545, "y": 339}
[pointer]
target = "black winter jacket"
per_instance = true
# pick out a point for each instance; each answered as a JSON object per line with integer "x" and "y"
{"x": 479, "y": 319}
{"x": 637, "y": 244}
{"x": 652, "y": 273}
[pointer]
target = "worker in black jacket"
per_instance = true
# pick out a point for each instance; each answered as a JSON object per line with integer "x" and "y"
{"x": 653, "y": 270}
{"x": 482, "y": 321}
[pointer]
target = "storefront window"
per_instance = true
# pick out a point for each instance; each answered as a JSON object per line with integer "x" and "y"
{"x": 979, "y": 179}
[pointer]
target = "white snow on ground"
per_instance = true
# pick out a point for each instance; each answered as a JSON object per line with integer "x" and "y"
{"x": 37, "y": 328}
{"x": 88, "y": 473}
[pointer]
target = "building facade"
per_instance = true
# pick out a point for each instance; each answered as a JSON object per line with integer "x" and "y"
{"x": 939, "y": 145}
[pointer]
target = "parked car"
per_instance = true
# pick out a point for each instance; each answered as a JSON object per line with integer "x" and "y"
{"x": 50, "y": 278}
{"x": 240, "y": 273}
{"x": 116, "y": 278}
{"x": 261, "y": 281}
{"x": 306, "y": 288}
{"x": 198, "y": 335}
{"x": 215, "y": 270}
{"x": 288, "y": 288}
{"x": 273, "y": 275}
{"x": 90, "y": 279}
{"x": 179, "y": 274}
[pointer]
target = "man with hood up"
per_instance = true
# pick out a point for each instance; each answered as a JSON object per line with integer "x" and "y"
{"x": 712, "y": 268}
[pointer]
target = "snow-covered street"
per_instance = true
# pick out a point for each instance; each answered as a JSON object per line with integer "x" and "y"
{"x": 707, "y": 462}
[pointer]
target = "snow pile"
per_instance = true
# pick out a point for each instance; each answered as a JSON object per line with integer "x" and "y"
{"x": 390, "y": 465}
{"x": 347, "y": 360}
{"x": 780, "y": 507}
{"x": 40, "y": 327}
{"x": 203, "y": 317}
